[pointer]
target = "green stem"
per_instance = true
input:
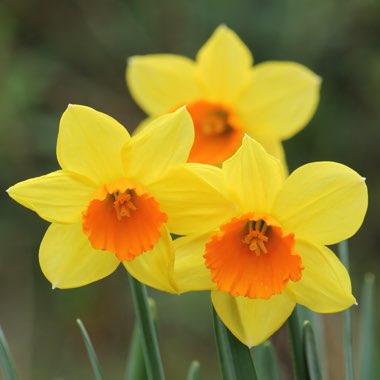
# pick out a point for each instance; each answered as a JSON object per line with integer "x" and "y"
{"x": 299, "y": 363}
{"x": 347, "y": 320}
{"x": 148, "y": 334}
{"x": 234, "y": 357}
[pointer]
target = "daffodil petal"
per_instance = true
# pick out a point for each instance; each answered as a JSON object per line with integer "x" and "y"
{"x": 252, "y": 321}
{"x": 68, "y": 260}
{"x": 190, "y": 270}
{"x": 223, "y": 65}
{"x": 253, "y": 177}
{"x": 164, "y": 143}
{"x": 323, "y": 202}
{"x": 155, "y": 268}
{"x": 325, "y": 286}
{"x": 282, "y": 97}
{"x": 191, "y": 200}
{"x": 161, "y": 83}
{"x": 89, "y": 143}
{"x": 57, "y": 197}
{"x": 143, "y": 124}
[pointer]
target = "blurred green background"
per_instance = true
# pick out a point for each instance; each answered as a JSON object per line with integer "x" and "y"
{"x": 55, "y": 52}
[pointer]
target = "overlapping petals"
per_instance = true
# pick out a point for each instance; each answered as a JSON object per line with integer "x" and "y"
{"x": 320, "y": 203}
{"x": 109, "y": 184}
{"x": 271, "y": 101}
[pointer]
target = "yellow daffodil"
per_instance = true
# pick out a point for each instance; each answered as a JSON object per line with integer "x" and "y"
{"x": 107, "y": 204}
{"x": 269, "y": 252}
{"x": 226, "y": 96}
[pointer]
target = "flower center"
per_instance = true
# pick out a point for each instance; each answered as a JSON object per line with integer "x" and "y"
{"x": 252, "y": 256}
{"x": 217, "y": 132}
{"x": 123, "y": 204}
{"x": 123, "y": 218}
{"x": 255, "y": 237}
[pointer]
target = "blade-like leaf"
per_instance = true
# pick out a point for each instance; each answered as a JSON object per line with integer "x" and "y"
{"x": 136, "y": 369}
{"x": 317, "y": 324}
{"x": 347, "y": 320}
{"x": 234, "y": 357}
{"x": 91, "y": 352}
{"x": 194, "y": 373}
{"x": 265, "y": 360}
{"x": 6, "y": 359}
{"x": 368, "y": 329}
{"x": 299, "y": 363}
{"x": 310, "y": 348}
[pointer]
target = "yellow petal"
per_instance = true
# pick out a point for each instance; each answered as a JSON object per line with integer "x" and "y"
{"x": 57, "y": 197}
{"x": 89, "y": 143}
{"x": 155, "y": 268}
{"x": 223, "y": 65}
{"x": 187, "y": 194}
{"x": 190, "y": 270}
{"x": 68, "y": 260}
{"x": 269, "y": 140}
{"x": 325, "y": 286}
{"x": 253, "y": 177}
{"x": 161, "y": 83}
{"x": 323, "y": 202}
{"x": 281, "y": 98}
{"x": 252, "y": 321}
{"x": 164, "y": 143}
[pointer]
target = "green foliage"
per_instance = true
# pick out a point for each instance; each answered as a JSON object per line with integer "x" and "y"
{"x": 194, "y": 371}
{"x": 311, "y": 356}
{"x": 98, "y": 373}
{"x": 266, "y": 362}
{"x": 234, "y": 357}
{"x": 6, "y": 359}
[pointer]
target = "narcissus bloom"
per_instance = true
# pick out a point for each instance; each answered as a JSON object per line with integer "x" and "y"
{"x": 269, "y": 252}
{"x": 226, "y": 96}
{"x": 108, "y": 203}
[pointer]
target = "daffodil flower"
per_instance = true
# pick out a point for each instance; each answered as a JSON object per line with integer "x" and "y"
{"x": 108, "y": 203}
{"x": 270, "y": 252}
{"x": 226, "y": 96}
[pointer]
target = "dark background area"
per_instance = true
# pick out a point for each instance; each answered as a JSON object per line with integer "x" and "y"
{"x": 55, "y": 52}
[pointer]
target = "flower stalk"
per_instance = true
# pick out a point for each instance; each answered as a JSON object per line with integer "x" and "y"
{"x": 149, "y": 341}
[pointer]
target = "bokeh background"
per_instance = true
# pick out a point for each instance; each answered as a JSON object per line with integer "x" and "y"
{"x": 55, "y": 52}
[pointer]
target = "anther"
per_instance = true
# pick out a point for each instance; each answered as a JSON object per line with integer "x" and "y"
{"x": 255, "y": 238}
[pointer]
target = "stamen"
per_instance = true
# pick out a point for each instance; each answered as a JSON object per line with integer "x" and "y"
{"x": 256, "y": 237}
{"x": 123, "y": 204}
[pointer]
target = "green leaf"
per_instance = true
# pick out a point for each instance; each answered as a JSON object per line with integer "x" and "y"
{"x": 234, "y": 357}
{"x": 136, "y": 369}
{"x": 6, "y": 359}
{"x": 145, "y": 322}
{"x": 194, "y": 373}
{"x": 317, "y": 324}
{"x": 311, "y": 354}
{"x": 90, "y": 351}
{"x": 367, "y": 326}
{"x": 299, "y": 363}
{"x": 266, "y": 363}
{"x": 347, "y": 320}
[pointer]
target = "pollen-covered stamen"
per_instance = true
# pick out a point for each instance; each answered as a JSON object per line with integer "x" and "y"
{"x": 215, "y": 122}
{"x": 256, "y": 238}
{"x": 123, "y": 204}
